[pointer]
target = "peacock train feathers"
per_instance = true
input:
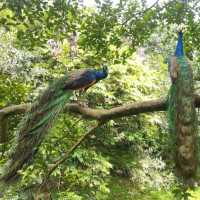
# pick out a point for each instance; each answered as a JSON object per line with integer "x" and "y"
{"x": 42, "y": 115}
{"x": 181, "y": 112}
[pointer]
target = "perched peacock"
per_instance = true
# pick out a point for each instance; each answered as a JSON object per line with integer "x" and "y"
{"x": 42, "y": 114}
{"x": 181, "y": 111}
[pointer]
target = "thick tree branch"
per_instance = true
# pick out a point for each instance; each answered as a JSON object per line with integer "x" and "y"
{"x": 4, "y": 114}
{"x": 90, "y": 113}
{"x": 120, "y": 111}
{"x": 103, "y": 114}
{"x": 14, "y": 109}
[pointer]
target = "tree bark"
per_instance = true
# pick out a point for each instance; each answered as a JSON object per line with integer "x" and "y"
{"x": 102, "y": 114}
{"x": 3, "y": 130}
{"x": 94, "y": 114}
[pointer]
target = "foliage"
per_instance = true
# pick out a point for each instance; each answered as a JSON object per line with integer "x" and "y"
{"x": 128, "y": 158}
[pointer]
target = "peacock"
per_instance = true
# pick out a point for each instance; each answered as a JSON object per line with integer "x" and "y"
{"x": 42, "y": 115}
{"x": 181, "y": 112}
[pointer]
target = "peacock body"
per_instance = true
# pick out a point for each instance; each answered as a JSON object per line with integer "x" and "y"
{"x": 42, "y": 115}
{"x": 182, "y": 114}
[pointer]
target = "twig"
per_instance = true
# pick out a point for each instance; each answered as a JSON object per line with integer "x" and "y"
{"x": 69, "y": 152}
{"x": 140, "y": 13}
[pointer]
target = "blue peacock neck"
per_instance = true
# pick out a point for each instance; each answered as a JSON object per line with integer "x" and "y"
{"x": 101, "y": 74}
{"x": 179, "y": 47}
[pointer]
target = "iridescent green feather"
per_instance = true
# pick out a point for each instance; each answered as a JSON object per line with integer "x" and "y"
{"x": 34, "y": 126}
{"x": 171, "y": 108}
{"x": 182, "y": 119}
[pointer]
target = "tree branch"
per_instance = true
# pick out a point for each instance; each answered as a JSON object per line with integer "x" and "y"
{"x": 139, "y": 14}
{"x": 103, "y": 114}
{"x": 120, "y": 111}
{"x": 4, "y": 114}
{"x": 3, "y": 129}
{"x": 69, "y": 152}
{"x": 14, "y": 109}
{"x": 63, "y": 158}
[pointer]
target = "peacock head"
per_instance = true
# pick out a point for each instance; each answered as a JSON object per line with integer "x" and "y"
{"x": 102, "y": 73}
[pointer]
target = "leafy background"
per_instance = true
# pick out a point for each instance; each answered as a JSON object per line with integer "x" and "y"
{"x": 128, "y": 158}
